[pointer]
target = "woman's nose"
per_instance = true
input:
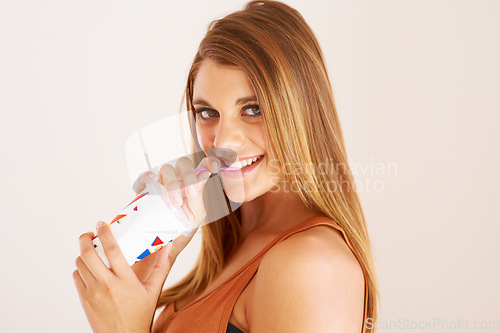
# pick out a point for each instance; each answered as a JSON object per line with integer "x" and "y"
{"x": 229, "y": 134}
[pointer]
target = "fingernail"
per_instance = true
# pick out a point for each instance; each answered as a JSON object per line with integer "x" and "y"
{"x": 100, "y": 224}
{"x": 153, "y": 176}
{"x": 191, "y": 190}
{"x": 214, "y": 167}
{"x": 169, "y": 245}
{"x": 178, "y": 198}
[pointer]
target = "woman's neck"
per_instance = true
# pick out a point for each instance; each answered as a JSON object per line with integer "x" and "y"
{"x": 274, "y": 212}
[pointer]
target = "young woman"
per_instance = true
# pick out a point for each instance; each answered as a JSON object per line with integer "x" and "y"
{"x": 295, "y": 256}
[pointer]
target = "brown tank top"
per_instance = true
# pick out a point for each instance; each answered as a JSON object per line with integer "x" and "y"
{"x": 211, "y": 312}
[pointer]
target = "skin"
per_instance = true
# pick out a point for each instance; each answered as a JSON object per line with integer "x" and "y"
{"x": 334, "y": 302}
{"x": 239, "y": 128}
{"x": 309, "y": 282}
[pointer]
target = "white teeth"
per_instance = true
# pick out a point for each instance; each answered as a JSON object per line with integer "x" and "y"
{"x": 236, "y": 165}
{"x": 243, "y": 163}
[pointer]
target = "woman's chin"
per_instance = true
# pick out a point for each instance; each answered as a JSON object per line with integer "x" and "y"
{"x": 235, "y": 195}
{"x": 234, "y": 188}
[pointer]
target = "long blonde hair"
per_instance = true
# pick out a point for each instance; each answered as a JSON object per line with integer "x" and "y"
{"x": 277, "y": 49}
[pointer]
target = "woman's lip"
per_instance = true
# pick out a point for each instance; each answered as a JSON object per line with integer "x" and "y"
{"x": 243, "y": 171}
{"x": 246, "y": 158}
{"x": 242, "y": 159}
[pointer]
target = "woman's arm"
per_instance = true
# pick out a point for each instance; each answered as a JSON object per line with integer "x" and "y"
{"x": 311, "y": 282}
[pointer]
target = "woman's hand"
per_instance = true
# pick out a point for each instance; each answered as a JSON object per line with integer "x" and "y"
{"x": 123, "y": 298}
{"x": 193, "y": 206}
{"x": 190, "y": 199}
{"x": 114, "y": 299}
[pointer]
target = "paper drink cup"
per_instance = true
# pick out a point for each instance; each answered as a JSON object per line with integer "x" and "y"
{"x": 146, "y": 224}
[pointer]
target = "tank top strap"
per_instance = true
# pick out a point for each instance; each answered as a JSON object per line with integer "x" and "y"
{"x": 213, "y": 311}
{"x": 250, "y": 268}
{"x": 246, "y": 274}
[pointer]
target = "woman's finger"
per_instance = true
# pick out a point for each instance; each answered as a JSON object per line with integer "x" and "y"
{"x": 160, "y": 271}
{"x": 179, "y": 243}
{"x": 168, "y": 178}
{"x": 194, "y": 207}
{"x": 143, "y": 267}
{"x": 166, "y": 258}
{"x": 197, "y": 204}
{"x": 117, "y": 260}
{"x": 209, "y": 165}
{"x": 186, "y": 173}
{"x": 79, "y": 283}
{"x": 145, "y": 177}
{"x": 85, "y": 274}
{"x": 91, "y": 259}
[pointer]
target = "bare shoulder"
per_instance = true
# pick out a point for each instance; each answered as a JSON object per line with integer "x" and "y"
{"x": 321, "y": 249}
{"x": 309, "y": 282}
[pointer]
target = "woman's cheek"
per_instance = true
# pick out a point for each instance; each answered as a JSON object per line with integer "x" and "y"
{"x": 201, "y": 139}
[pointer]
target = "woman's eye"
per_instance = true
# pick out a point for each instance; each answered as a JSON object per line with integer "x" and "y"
{"x": 255, "y": 111}
{"x": 204, "y": 113}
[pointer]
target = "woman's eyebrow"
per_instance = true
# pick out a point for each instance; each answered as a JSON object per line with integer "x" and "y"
{"x": 244, "y": 100}
{"x": 239, "y": 101}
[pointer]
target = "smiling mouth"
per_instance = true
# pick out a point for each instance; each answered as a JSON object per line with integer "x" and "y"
{"x": 243, "y": 163}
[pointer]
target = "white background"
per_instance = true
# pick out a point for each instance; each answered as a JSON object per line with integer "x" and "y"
{"x": 416, "y": 86}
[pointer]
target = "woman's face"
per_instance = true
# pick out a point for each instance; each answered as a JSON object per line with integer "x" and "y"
{"x": 228, "y": 117}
